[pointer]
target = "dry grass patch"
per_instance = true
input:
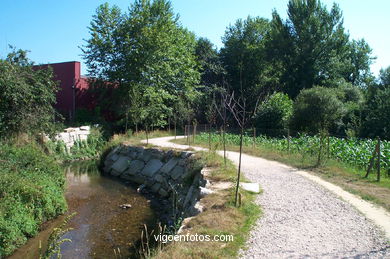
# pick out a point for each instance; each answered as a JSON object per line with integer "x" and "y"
{"x": 220, "y": 217}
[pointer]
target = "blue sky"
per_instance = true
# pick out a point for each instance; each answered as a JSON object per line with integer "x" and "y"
{"x": 54, "y": 30}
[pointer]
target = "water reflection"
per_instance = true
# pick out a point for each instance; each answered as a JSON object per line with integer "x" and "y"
{"x": 100, "y": 225}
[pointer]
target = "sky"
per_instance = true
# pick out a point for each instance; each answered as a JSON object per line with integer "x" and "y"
{"x": 53, "y": 31}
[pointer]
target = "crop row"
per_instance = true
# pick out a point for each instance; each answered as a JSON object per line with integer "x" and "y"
{"x": 356, "y": 152}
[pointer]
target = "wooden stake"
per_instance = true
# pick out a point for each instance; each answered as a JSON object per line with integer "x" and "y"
{"x": 378, "y": 163}
{"x": 254, "y": 136}
{"x": 288, "y": 140}
{"x": 371, "y": 164}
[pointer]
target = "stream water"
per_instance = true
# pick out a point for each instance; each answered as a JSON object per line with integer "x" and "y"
{"x": 100, "y": 225}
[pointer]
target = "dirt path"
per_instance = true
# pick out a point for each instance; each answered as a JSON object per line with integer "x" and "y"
{"x": 305, "y": 216}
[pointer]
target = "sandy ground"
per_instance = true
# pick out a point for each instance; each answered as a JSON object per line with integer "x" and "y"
{"x": 307, "y": 217}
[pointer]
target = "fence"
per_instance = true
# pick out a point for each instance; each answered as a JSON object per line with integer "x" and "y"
{"x": 367, "y": 154}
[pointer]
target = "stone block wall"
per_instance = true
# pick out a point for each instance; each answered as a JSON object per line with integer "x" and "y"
{"x": 71, "y": 135}
{"x": 172, "y": 176}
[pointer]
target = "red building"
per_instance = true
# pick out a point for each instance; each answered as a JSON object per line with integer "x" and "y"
{"x": 73, "y": 93}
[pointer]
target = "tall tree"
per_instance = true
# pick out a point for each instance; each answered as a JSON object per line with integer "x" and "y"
{"x": 243, "y": 57}
{"x": 306, "y": 45}
{"x": 149, "y": 52}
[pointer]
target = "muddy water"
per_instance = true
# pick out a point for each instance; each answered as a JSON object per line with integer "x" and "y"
{"x": 100, "y": 225}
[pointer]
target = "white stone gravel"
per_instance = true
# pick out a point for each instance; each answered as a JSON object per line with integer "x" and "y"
{"x": 301, "y": 219}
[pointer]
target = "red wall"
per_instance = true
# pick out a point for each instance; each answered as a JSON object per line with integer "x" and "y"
{"x": 69, "y": 74}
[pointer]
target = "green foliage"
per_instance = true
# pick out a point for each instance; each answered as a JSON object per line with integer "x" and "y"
{"x": 384, "y": 77}
{"x": 56, "y": 240}
{"x": 82, "y": 149}
{"x": 274, "y": 112}
{"x": 307, "y": 46}
{"x": 149, "y": 54}
{"x": 243, "y": 57}
{"x": 353, "y": 151}
{"x": 27, "y": 96}
{"x": 31, "y": 192}
{"x": 316, "y": 109}
{"x": 377, "y": 115}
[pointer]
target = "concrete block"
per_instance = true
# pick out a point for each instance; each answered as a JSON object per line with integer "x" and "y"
{"x": 250, "y": 187}
{"x": 156, "y": 187}
{"x": 152, "y": 167}
{"x": 121, "y": 164}
{"x": 177, "y": 172}
{"x": 169, "y": 165}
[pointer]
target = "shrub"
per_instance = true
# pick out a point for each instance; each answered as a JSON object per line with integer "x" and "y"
{"x": 316, "y": 109}
{"x": 31, "y": 192}
{"x": 275, "y": 112}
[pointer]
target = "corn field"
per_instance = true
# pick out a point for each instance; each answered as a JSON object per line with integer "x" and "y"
{"x": 355, "y": 152}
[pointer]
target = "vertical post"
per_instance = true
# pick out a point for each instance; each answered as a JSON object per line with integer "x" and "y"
{"x": 378, "y": 163}
{"x": 328, "y": 146}
{"x": 194, "y": 133}
{"x": 288, "y": 140}
{"x": 185, "y": 132}
{"x": 254, "y": 137}
{"x": 175, "y": 129}
{"x": 239, "y": 167}
{"x": 209, "y": 137}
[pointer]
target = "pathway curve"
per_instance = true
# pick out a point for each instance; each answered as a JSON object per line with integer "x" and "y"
{"x": 305, "y": 216}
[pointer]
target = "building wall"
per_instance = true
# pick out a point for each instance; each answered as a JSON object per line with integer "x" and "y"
{"x": 73, "y": 92}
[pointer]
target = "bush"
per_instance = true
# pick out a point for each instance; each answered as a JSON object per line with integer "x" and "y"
{"x": 31, "y": 192}
{"x": 317, "y": 109}
{"x": 275, "y": 112}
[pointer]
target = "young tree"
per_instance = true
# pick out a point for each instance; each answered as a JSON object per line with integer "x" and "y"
{"x": 242, "y": 115}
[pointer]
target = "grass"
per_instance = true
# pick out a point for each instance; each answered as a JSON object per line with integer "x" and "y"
{"x": 31, "y": 192}
{"x": 220, "y": 217}
{"x": 346, "y": 176}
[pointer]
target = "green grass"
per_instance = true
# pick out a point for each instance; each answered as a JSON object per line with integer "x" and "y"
{"x": 31, "y": 192}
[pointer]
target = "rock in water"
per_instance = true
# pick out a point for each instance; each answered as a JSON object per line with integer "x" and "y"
{"x": 125, "y": 206}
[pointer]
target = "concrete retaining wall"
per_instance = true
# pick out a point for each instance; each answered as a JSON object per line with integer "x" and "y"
{"x": 175, "y": 177}
{"x": 70, "y": 135}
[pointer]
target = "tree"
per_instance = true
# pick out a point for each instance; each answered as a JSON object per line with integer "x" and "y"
{"x": 360, "y": 59}
{"x": 376, "y": 111}
{"x": 274, "y": 112}
{"x": 316, "y": 109}
{"x": 148, "y": 51}
{"x": 27, "y": 96}
{"x": 243, "y": 57}
{"x": 305, "y": 47}
{"x": 242, "y": 114}
{"x": 384, "y": 77}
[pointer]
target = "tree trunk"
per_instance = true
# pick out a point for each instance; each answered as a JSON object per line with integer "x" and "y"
{"x": 175, "y": 129}
{"x": 224, "y": 142}
{"x": 239, "y": 168}
{"x": 127, "y": 121}
{"x": 147, "y": 137}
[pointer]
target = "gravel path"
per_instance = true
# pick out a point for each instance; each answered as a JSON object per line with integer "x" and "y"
{"x": 302, "y": 219}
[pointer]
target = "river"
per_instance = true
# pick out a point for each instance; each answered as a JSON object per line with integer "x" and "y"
{"x": 100, "y": 225}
